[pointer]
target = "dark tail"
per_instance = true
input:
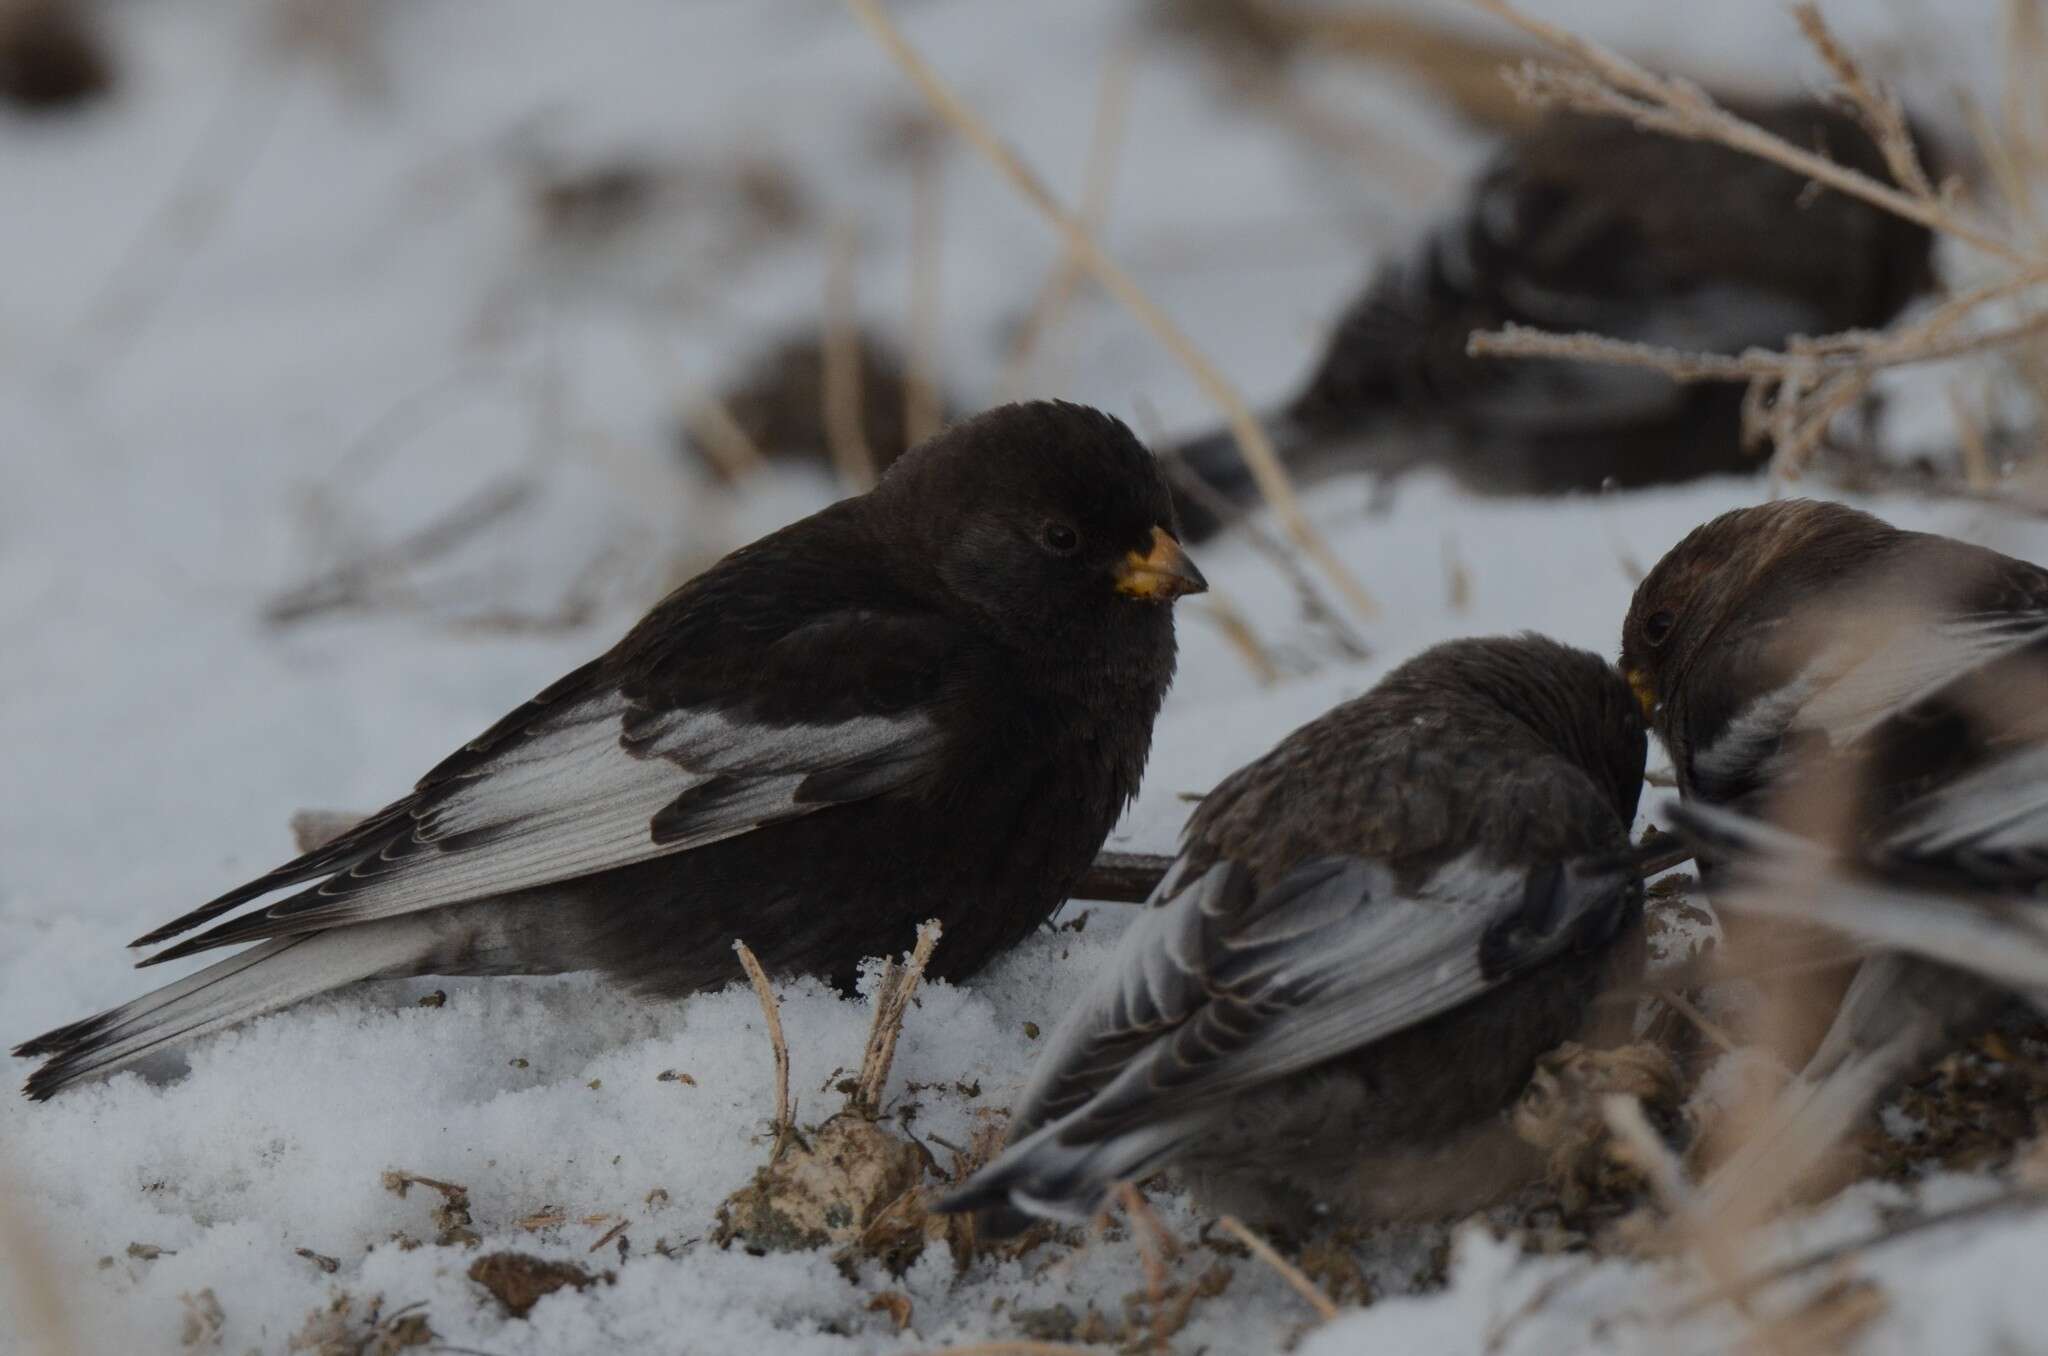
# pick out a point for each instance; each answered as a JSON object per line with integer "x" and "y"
{"x": 262, "y": 979}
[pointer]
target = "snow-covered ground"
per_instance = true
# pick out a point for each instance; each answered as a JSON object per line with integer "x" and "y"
{"x": 207, "y": 397}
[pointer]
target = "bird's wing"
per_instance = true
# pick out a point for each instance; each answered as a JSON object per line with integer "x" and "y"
{"x": 603, "y": 770}
{"x": 1988, "y": 827}
{"x": 1852, "y": 687}
{"x": 1222, "y": 986}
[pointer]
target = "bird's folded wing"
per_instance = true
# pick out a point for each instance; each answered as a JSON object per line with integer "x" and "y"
{"x": 588, "y": 783}
{"x": 1989, "y": 826}
{"x": 1853, "y": 686}
{"x": 1222, "y": 987}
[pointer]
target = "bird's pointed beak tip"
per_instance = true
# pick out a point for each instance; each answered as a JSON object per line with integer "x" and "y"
{"x": 1645, "y": 689}
{"x": 1161, "y": 573}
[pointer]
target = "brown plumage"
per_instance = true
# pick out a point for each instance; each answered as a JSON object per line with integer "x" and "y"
{"x": 1858, "y": 717}
{"x": 1371, "y": 935}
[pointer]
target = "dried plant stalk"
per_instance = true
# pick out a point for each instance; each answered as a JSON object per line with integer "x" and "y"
{"x": 722, "y": 438}
{"x": 922, "y": 410}
{"x": 1052, "y": 298}
{"x": 1612, "y": 84}
{"x": 1261, "y": 1249}
{"x": 892, "y": 1002}
{"x": 840, "y": 391}
{"x": 771, "y": 1011}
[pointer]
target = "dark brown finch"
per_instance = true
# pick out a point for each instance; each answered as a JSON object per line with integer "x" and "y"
{"x": 1590, "y": 224}
{"x": 1371, "y": 935}
{"x": 1858, "y": 717}
{"x": 929, "y": 701}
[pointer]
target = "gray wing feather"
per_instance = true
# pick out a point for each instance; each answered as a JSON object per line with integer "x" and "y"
{"x": 597, "y": 787}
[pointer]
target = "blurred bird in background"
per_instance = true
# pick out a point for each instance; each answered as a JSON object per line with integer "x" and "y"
{"x": 1588, "y": 224}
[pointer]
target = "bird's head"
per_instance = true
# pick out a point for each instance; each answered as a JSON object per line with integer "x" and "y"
{"x": 1046, "y": 520}
{"x": 1754, "y": 562}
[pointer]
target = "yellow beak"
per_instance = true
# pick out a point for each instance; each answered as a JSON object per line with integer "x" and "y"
{"x": 1161, "y": 574}
{"x": 1646, "y": 693}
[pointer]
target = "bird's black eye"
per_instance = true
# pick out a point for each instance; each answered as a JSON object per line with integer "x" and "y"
{"x": 1657, "y": 629}
{"x": 1059, "y": 538}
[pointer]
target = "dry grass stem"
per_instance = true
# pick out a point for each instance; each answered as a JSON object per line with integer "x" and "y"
{"x": 1977, "y": 469}
{"x": 1229, "y": 619}
{"x": 1155, "y": 1248}
{"x": 722, "y": 438}
{"x": 840, "y": 393}
{"x": 1611, "y": 84}
{"x": 1261, "y": 1249}
{"x": 1651, "y": 1155}
{"x": 1309, "y": 597}
{"x": 1257, "y": 448}
{"x": 1708, "y": 1027}
{"x": 923, "y": 412}
{"x": 1021, "y": 1347}
{"x": 771, "y": 1011}
{"x": 377, "y": 577}
{"x": 1058, "y": 289}
{"x": 1764, "y": 1277}
{"x": 1882, "y": 351}
{"x": 893, "y": 997}
{"x": 1876, "y": 107}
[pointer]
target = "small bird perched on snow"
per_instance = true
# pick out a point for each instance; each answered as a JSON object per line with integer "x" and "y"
{"x": 1588, "y": 224}
{"x": 1370, "y": 936}
{"x": 929, "y": 701}
{"x": 1858, "y": 718}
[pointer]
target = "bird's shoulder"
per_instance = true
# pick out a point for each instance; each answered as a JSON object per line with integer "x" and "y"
{"x": 1412, "y": 785}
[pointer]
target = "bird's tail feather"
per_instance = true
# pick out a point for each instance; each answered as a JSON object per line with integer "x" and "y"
{"x": 261, "y": 979}
{"x": 1040, "y": 1177}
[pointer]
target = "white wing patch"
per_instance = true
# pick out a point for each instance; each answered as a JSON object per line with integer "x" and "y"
{"x": 2002, "y": 807}
{"x": 576, "y": 797}
{"x": 1848, "y": 690}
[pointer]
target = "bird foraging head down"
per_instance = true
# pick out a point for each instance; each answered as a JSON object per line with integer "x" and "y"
{"x": 929, "y": 701}
{"x": 1370, "y": 937}
{"x": 1858, "y": 717}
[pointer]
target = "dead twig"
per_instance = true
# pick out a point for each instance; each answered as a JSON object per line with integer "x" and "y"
{"x": 1058, "y": 289}
{"x": 840, "y": 392}
{"x": 1123, "y": 877}
{"x": 722, "y": 438}
{"x": 1258, "y": 451}
{"x": 1229, "y": 619}
{"x": 1765, "y": 1277}
{"x": 1613, "y": 85}
{"x": 893, "y": 1000}
{"x": 1883, "y": 351}
{"x": 923, "y": 411}
{"x": 772, "y": 1012}
{"x": 1308, "y": 597}
{"x": 1876, "y": 107}
{"x": 1288, "y": 1272}
{"x": 358, "y": 582}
